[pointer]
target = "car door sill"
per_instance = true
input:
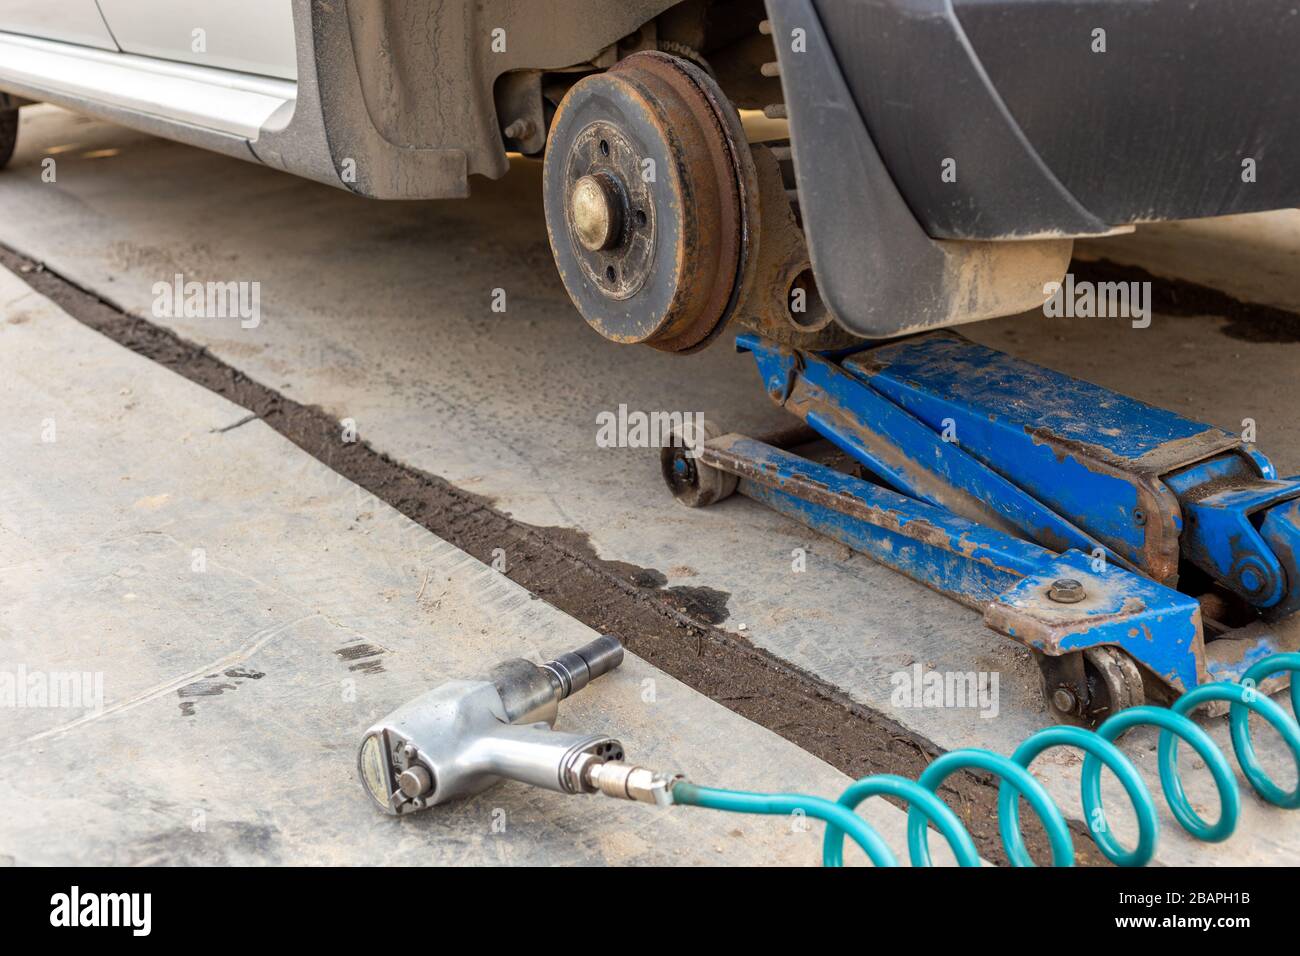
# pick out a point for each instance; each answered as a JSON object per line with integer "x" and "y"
{"x": 238, "y": 104}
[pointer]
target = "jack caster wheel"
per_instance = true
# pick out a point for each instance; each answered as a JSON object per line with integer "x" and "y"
{"x": 8, "y": 135}
{"x": 1086, "y": 688}
{"x": 692, "y": 482}
{"x": 647, "y": 184}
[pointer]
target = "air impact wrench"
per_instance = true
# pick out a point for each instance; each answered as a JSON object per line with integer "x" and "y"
{"x": 460, "y": 738}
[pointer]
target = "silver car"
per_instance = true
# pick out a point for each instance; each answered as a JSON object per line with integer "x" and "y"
{"x": 926, "y": 162}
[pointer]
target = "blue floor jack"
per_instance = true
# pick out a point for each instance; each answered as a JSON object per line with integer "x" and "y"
{"x": 1137, "y": 553}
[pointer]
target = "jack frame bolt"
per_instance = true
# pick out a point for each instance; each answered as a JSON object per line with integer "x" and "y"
{"x": 1250, "y": 580}
{"x": 1066, "y": 591}
{"x": 1063, "y": 699}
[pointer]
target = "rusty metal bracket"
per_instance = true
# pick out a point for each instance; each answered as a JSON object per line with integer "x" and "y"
{"x": 779, "y": 299}
{"x": 1157, "y": 626}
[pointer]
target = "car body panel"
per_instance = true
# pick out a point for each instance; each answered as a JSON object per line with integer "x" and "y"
{"x": 920, "y": 134}
{"x": 1071, "y": 117}
{"x": 394, "y": 99}
{"x": 1047, "y": 139}
{"x": 1159, "y": 125}
{"x": 72, "y": 21}
{"x": 248, "y": 36}
{"x": 232, "y": 103}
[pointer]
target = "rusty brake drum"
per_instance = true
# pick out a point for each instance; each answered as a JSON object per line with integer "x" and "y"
{"x": 650, "y": 194}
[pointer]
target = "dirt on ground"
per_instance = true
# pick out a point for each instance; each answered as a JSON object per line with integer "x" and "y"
{"x": 1246, "y": 321}
{"x": 672, "y": 628}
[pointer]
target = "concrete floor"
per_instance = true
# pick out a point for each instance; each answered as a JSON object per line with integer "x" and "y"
{"x": 250, "y": 613}
{"x": 382, "y": 313}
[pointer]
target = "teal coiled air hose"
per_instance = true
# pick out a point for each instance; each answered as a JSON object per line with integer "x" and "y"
{"x": 925, "y": 807}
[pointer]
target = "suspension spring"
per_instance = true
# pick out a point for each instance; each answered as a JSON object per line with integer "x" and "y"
{"x": 925, "y": 807}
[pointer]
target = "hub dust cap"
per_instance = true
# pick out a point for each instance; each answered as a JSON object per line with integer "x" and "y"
{"x": 646, "y": 184}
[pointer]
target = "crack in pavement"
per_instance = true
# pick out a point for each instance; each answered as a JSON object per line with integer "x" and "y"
{"x": 250, "y": 417}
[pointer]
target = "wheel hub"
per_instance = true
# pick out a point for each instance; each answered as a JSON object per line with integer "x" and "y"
{"x": 609, "y": 214}
{"x": 648, "y": 187}
{"x": 595, "y": 213}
